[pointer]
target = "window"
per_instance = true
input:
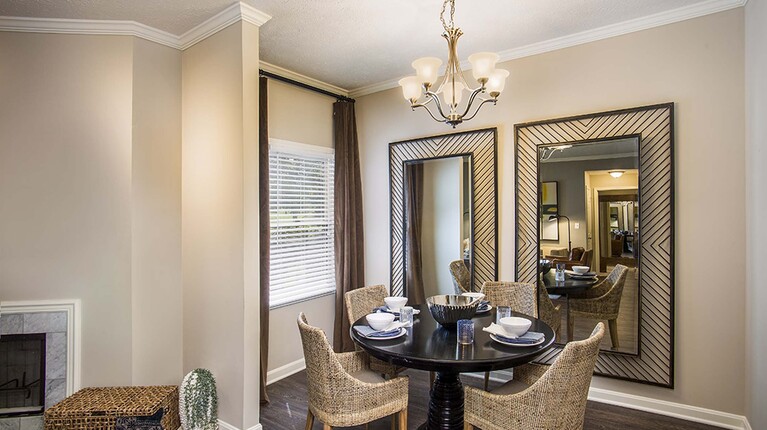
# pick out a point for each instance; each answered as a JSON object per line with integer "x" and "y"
{"x": 302, "y": 258}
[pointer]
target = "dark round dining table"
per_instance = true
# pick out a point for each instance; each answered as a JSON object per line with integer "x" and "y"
{"x": 429, "y": 346}
{"x": 568, "y": 286}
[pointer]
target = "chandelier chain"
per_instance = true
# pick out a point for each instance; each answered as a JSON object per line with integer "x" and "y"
{"x": 452, "y": 15}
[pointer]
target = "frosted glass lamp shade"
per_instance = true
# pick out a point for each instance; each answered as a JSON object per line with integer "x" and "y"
{"x": 411, "y": 88}
{"x": 497, "y": 82}
{"x": 447, "y": 93}
{"x": 483, "y": 64}
{"x": 426, "y": 69}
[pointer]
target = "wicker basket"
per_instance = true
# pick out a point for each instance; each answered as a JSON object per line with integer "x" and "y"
{"x": 98, "y": 408}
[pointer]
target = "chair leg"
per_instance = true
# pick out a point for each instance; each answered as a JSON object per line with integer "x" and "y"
{"x": 570, "y": 326}
{"x": 431, "y": 380}
{"x": 614, "y": 332}
{"x": 326, "y": 427}
{"x": 467, "y": 426}
{"x": 309, "y": 420}
{"x": 403, "y": 419}
{"x": 487, "y": 379}
{"x": 393, "y": 425}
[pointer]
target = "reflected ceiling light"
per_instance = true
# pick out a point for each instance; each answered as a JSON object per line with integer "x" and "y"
{"x": 547, "y": 152}
{"x": 616, "y": 173}
{"x": 452, "y": 85}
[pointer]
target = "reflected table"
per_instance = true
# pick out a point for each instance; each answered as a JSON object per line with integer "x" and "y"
{"x": 429, "y": 346}
{"x": 567, "y": 287}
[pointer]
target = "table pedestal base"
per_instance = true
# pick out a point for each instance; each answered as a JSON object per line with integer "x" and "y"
{"x": 445, "y": 403}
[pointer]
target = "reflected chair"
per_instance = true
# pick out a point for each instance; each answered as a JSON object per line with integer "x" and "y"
{"x": 343, "y": 391}
{"x": 361, "y": 302}
{"x": 461, "y": 277}
{"x": 600, "y": 302}
{"x": 539, "y": 397}
{"x": 550, "y": 314}
{"x": 578, "y": 257}
{"x": 519, "y": 296}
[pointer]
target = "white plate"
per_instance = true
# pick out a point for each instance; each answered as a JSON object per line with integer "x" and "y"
{"x": 489, "y": 308}
{"x": 402, "y": 332}
{"x": 584, "y": 277}
{"x": 495, "y": 338}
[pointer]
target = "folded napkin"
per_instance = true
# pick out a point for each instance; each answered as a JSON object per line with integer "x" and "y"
{"x": 527, "y": 338}
{"x": 367, "y": 331}
{"x": 386, "y": 309}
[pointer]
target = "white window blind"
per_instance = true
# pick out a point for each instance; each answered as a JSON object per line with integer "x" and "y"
{"x": 302, "y": 258}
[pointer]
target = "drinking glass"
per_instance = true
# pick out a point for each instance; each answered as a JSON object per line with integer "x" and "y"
{"x": 502, "y": 312}
{"x": 465, "y": 332}
{"x": 406, "y": 315}
{"x": 559, "y": 276}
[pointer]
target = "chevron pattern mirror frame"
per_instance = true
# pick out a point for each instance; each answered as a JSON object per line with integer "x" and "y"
{"x": 654, "y": 363}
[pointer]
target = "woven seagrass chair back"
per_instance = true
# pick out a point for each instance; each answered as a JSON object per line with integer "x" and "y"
{"x": 547, "y": 311}
{"x": 362, "y": 301}
{"x": 322, "y": 367}
{"x": 461, "y": 277}
{"x": 566, "y": 382}
{"x": 519, "y": 296}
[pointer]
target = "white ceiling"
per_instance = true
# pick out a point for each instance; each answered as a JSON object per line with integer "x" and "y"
{"x": 356, "y": 43}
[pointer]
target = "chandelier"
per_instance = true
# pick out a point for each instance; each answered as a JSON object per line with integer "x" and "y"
{"x": 452, "y": 86}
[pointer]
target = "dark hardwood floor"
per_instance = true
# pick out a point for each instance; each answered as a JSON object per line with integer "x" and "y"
{"x": 287, "y": 410}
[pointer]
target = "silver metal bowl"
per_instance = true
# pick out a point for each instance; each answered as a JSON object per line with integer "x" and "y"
{"x": 545, "y": 265}
{"x": 448, "y": 309}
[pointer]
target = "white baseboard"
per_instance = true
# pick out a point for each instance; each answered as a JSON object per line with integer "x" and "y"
{"x": 671, "y": 409}
{"x": 223, "y": 425}
{"x": 647, "y": 404}
{"x": 283, "y": 372}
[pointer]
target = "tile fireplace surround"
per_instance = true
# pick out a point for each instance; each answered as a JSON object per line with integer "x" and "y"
{"x": 57, "y": 321}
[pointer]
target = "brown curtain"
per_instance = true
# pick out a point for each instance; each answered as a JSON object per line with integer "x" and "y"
{"x": 264, "y": 233}
{"x": 413, "y": 226}
{"x": 349, "y": 239}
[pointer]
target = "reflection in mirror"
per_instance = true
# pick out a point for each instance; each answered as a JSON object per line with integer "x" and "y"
{"x": 438, "y": 224}
{"x": 590, "y": 218}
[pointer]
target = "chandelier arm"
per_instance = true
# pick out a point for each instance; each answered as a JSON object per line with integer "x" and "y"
{"x": 479, "y": 107}
{"x": 473, "y": 96}
{"x": 437, "y": 102}
{"x": 422, "y": 105}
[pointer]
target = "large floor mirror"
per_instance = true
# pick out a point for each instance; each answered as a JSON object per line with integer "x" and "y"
{"x": 443, "y": 214}
{"x": 594, "y": 195}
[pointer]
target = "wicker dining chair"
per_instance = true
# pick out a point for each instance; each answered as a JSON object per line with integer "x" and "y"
{"x": 361, "y": 302}
{"x": 343, "y": 391}
{"x": 601, "y": 302}
{"x": 539, "y": 397}
{"x": 461, "y": 277}
{"x": 519, "y": 296}
{"x": 550, "y": 314}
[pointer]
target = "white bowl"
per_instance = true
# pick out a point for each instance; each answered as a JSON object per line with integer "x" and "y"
{"x": 380, "y": 320}
{"x": 581, "y": 269}
{"x": 474, "y": 296}
{"x": 394, "y": 303}
{"x": 515, "y": 326}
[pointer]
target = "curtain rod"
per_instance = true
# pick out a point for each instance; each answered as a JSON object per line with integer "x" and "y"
{"x": 271, "y": 75}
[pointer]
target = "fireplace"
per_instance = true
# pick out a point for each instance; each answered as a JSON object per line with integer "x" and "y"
{"x": 22, "y": 374}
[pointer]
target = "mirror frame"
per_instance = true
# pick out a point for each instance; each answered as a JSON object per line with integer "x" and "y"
{"x": 654, "y": 361}
{"x": 481, "y": 147}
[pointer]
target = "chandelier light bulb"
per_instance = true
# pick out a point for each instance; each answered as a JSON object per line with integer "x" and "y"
{"x": 482, "y": 65}
{"x": 497, "y": 82}
{"x": 427, "y": 69}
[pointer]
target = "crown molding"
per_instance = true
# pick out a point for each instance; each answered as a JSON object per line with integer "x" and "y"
{"x": 87, "y": 26}
{"x": 303, "y": 78}
{"x": 608, "y": 31}
{"x": 225, "y": 18}
{"x": 232, "y": 14}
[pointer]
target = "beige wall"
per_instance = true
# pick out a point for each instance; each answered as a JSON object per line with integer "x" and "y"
{"x": 156, "y": 215}
{"x": 220, "y": 216}
{"x": 65, "y": 185}
{"x": 699, "y": 65}
{"x": 302, "y": 116}
{"x": 756, "y": 207}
